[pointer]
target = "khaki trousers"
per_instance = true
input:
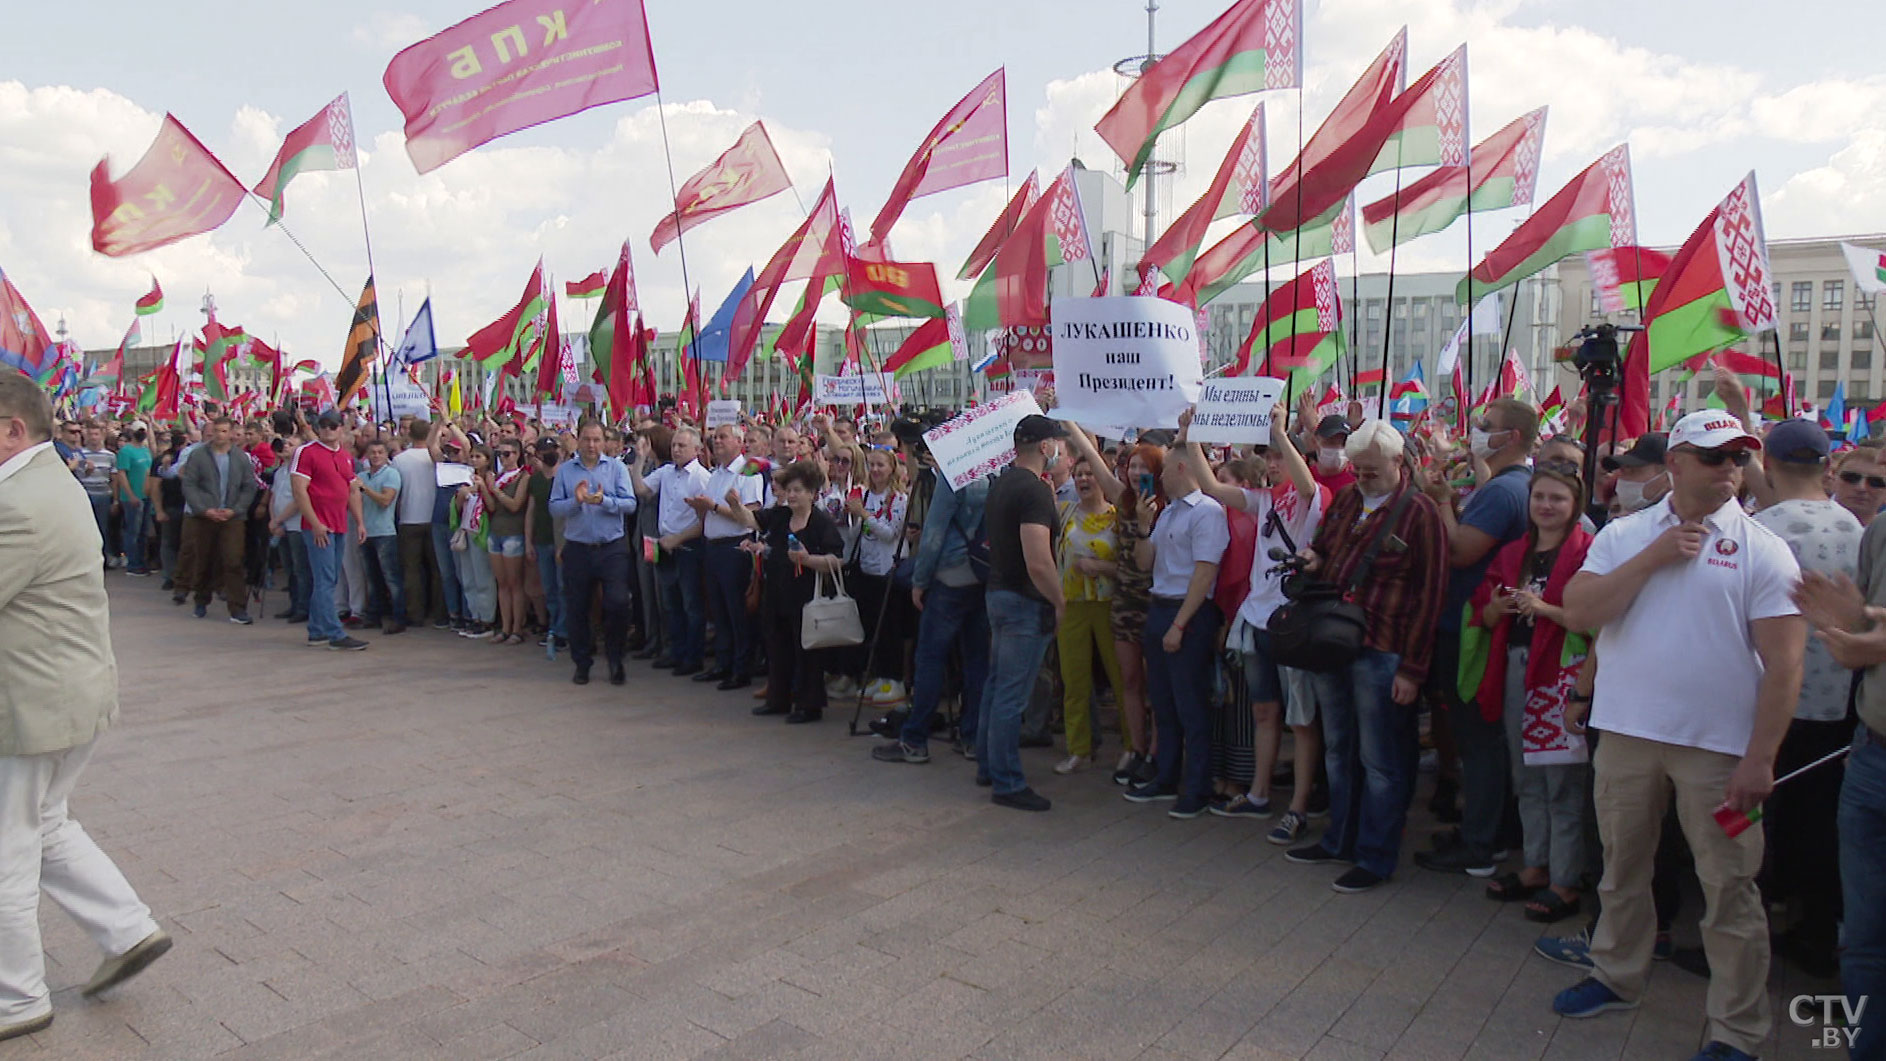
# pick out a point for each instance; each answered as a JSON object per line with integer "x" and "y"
{"x": 1633, "y": 780}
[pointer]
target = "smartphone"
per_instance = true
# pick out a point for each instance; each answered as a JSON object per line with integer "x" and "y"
{"x": 1146, "y": 484}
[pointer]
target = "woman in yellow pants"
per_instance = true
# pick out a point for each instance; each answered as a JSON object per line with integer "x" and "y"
{"x": 1087, "y": 552}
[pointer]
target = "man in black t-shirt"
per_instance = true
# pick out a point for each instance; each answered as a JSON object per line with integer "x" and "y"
{"x": 1024, "y": 603}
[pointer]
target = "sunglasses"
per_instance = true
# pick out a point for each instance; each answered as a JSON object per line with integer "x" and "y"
{"x": 1716, "y": 458}
{"x": 1559, "y": 468}
{"x": 1854, "y": 479}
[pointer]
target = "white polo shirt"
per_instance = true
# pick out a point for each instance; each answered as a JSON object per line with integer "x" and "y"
{"x": 731, "y": 477}
{"x": 1191, "y": 530}
{"x": 1679, "y": 666}
{"x": 673, "y": 515}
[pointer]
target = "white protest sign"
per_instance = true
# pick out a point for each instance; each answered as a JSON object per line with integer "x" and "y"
{"x": 558, "y": 415}
{"x": 850, "y": 390}
{"x": 722, "y": 411}
{"x": 1124, "y": 360}
{"x": 406, "y": 398}
{"x": 1031, "y": 379}
{"x": 982, "y": 440}
{"x": 1235, "y": 410}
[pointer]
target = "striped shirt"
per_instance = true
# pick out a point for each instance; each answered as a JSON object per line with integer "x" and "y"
{"x": 1403, "y": 592}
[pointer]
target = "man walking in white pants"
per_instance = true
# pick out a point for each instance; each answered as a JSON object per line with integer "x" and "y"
{"x": 59, "y": 694}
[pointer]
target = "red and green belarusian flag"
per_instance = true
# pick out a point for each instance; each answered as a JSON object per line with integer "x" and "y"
{"x": 1013, "y": 290}
{"x": 1622, "y": 278}
{"x": 1595, "y": 209}
{"x": 112, "y": 374}
{"x": 1239, "y": 187}
{"x": 1715, "y": 292}
{"x": 588, "y": 287}
{"x": 612, "y": 338}
{"x": 1298, "y": 330}
{"x": 498, "y": 343}
{"x": 1253, "y": 46}
{"x": 323, "y": 142}
{"x": 1868, "y": 265}
{"x": 1005, "y": 224}
{"x": 927, "y": 347}
{"x": 1502, "y": 173}
{"x": 1552, "y": 410}
{"x": 1243, "y": 254}
{"x": 152, "y": 302}
{"x": 893, "y": 289}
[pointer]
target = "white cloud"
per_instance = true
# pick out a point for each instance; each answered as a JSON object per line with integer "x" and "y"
{"x": 1843, "y": 197}
{"x": 390, "y": 30}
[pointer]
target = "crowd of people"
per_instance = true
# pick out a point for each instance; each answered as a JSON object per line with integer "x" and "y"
{"x": 1594, "y": 688}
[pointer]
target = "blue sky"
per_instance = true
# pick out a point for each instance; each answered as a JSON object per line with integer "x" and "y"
{"x": 1703, "y": 93}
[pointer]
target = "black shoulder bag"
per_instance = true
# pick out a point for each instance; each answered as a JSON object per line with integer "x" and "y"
{"x": 1321, "y": 628}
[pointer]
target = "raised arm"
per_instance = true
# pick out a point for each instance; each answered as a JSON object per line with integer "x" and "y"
{"x": 1110, "y": 484}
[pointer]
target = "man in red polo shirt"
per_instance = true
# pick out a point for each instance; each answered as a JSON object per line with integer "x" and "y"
{"x": 323, "y": 473}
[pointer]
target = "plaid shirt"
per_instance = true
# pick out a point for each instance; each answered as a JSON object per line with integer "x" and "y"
{"x": 1402, "y": 594}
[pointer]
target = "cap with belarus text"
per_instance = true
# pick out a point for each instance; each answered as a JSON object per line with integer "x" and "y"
{"x": 1712, "y": 429}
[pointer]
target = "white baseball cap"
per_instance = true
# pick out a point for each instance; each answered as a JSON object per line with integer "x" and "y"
{"x": 1712, "y": 429}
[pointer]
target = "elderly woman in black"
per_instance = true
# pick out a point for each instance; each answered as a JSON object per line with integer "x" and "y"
{"x": 800, "y": 544}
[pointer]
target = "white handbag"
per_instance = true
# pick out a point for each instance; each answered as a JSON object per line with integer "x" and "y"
{"x": 831, "y": 622}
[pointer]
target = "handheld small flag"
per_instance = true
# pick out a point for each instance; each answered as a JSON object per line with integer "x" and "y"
{"x": 419, "y": 344}
{"x": 588, "y": 287}
{"x": 152, "y": 302}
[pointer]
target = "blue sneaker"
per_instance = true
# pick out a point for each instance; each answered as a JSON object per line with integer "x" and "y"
{"x": 1242, "y": 806}
{"x": 1588, "y": 998}
{"x": 1721, "y": 1051}
{"x": 1574, "y": 951}
{"x": 200, "y": 610}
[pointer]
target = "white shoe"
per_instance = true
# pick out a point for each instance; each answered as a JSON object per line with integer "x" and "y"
{"x": 1070, "y": 764}
{"x": 841, "y": 688}
{"x": 887, "y": 693}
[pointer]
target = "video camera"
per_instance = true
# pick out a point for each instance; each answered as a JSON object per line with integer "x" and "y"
{"x": 1597, "y": 357}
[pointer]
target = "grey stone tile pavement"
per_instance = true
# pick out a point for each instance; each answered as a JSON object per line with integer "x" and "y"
{"x": 441, "y": 848}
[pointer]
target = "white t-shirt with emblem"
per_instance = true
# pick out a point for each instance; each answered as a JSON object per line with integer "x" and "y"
{"x": 1679, "y": 665}
{"x": 1823, "y": 537}
{"x": 1298, "y": 519}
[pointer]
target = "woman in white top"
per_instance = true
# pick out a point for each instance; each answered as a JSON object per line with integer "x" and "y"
{"x": 875, "y": 511}
{"x": 1287, "y": 513}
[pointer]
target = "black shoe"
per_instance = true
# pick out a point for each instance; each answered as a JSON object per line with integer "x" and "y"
{"x": 733, "y": 683}
{"x": 692, "y": 668}
{"x": 1150, "y": 792}
{"x": 177, "y": 598}
{"x": 169, "y": 583}
{"x": 766, "y": 709}
{"x": 645, "y": 653}
{"x": 800, "y": 717}
{"x": 1037, "y": 742}
{"x": 347, "y": 644}
{"x": 298, "y": 617}
{"x": 1443, "y": 806}
{"x": 1124, "y": 775}
{"x": 284, "y": 613}
{"x": 1313, "y": 855}
{"x": 1026, "y": 799}
{"x": 711, "y": 676}
{"x": 663, "y": 663}
{"x": 241, "y": 619}
{"x": 1456, "y": 859}
{"x": 984, "y": 781}
{"x": 1357, "y": 880}
{"x": 617, "y": 675}
{"x": 1187, "y": 808}
{"x": 581, "y": 677}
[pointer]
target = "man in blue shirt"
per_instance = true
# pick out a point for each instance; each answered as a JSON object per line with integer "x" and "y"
{"x": 591, "y": 494}
{"x": 1495, "y": 513}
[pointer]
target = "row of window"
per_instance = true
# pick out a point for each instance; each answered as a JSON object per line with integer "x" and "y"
{"x": 1830, "y": 360}
{"x": 1857, "y": 390}
{"x": 1833, "y": 295}
{"x": 1798, "y": 331}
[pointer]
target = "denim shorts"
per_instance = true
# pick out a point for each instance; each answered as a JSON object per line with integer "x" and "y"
{"x": 1269, "y": 683}
{"x": 511, "y": 545}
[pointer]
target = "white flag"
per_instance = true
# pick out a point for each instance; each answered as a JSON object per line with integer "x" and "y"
{"x": 1868, "y": 265}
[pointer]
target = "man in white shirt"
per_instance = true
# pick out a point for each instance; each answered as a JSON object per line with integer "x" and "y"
{"x": 728, "y": 567}
{"x": 678, "y": 559}
{"x": 1702, "y": 662}
{"x": 419, "y": 568}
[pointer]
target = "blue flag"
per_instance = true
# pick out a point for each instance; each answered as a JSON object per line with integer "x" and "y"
{"x": 1835, "y": 415}
{"x": 718, "y": 335}
{"x": 419, "y": 344}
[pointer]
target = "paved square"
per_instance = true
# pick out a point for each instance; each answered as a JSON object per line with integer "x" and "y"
{"x": 441, "y": 848}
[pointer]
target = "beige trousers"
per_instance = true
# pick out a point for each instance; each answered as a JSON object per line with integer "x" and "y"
{"x": 1632, "y": 782}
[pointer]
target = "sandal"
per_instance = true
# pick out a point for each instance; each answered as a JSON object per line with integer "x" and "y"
{"x": 1549, "y": 907}
{"x": 1509, "y": 888}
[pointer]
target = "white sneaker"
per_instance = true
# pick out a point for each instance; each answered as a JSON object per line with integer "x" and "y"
{"x": 841, "y": 688}
{"x": 888, "y": 693}
{"x": 1069, "y": 764}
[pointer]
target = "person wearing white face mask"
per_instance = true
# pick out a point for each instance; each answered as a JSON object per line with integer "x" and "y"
{"x": 1331, "y": 467}
{"x": 1642, "y": 479}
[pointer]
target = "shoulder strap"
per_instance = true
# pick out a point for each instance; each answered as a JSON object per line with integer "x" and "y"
{"x": 1272, "y": 521}
{"x": 1382, "y": 532}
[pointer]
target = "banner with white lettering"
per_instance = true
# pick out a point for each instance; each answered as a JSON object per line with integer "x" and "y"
{"x": 862, "y": 389}
{"x": 1124, "y": 360}
{"x": 559, "y": 415}
{"x": 722, "y": 411}
{"x": 982, "y": 440}
{"x": 1235, "y": 411}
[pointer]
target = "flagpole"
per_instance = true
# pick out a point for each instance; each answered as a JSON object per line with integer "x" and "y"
{"x": 1470, "y": 267}
{"x": 1296, "y": 251}
{"x": 1394, "y": 247}
{"x": 674, "y": 194}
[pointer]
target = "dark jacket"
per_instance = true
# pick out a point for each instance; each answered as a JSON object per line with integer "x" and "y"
{"x": 200, "y": 482}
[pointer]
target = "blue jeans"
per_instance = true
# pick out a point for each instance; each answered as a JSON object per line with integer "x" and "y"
{"x": 553, "y": 587}
{"x": 1179, "y": 686}
{"x": 324, "y": 569}
{"x": 679, "y": 574}
{"x": 101, "y": 514}
{"x": 1862, "y": 820}
{"x": 1020, "y": 630}
{"x": 951, "y": 614}
{"x": 131, "y": 531}
{"x": 448, "y": 570}
{"x": 300, "y": 578}
{"x": 386, "y": 593}
{"x": 1370, "y": 748}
